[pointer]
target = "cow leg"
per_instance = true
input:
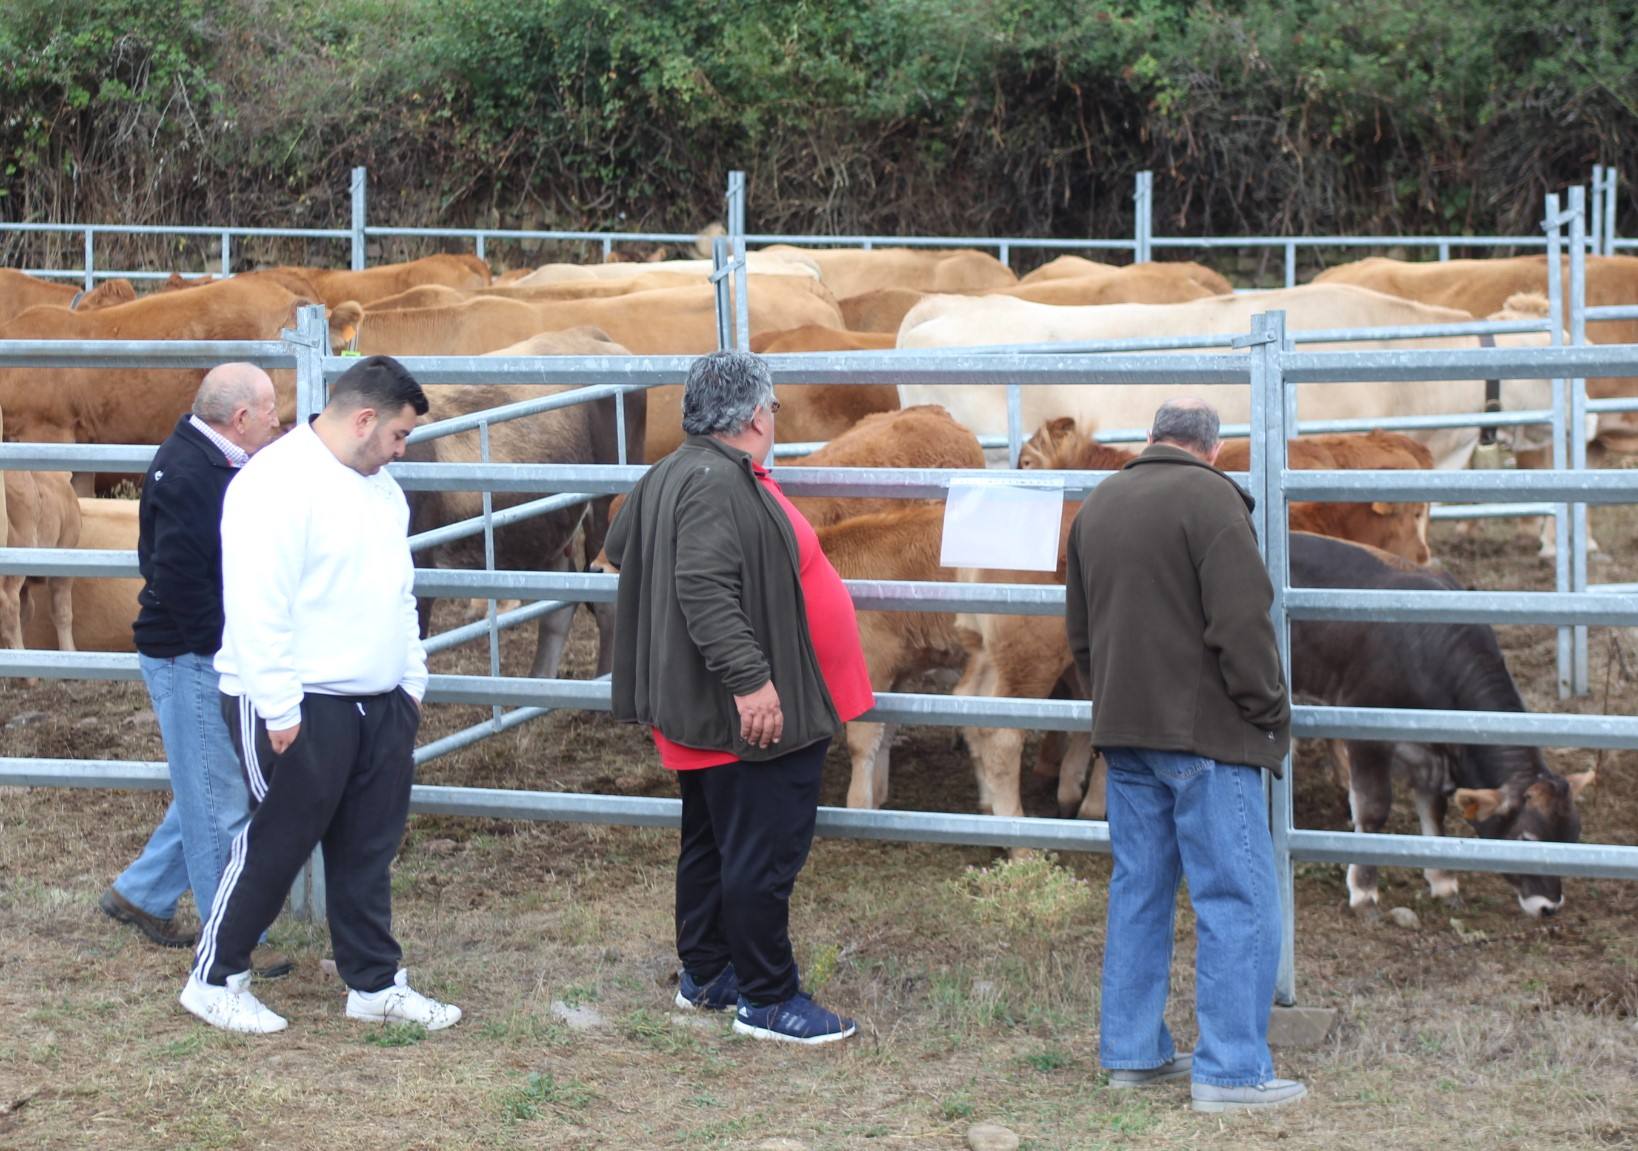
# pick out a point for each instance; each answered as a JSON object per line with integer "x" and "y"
{"x": 1049, "y": 755}
{"x": 867, "y": 749}
{"x": 62, "y": 611}
{"x": 1370, "y": 798}
{"x": 603, "y": 613}
{"x": 1072, "y": 773}
{"x": 1096, "y": 803}
{"x": 11, "y": 611}
{"x": 1430, "y": 811}
{"x": 999, "y": 752}
{"x": 84, "y": 484}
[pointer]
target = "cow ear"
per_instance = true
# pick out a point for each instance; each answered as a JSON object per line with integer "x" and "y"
{"x": 1580, "y": 781}
{"x": 1477, "y": 804}
{"x": 1382, "y": 509}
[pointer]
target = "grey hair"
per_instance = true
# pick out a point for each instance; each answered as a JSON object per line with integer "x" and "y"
{"x": 226, "y": 389}
{"x": 1187, "y": 421}
{"x": 723, "y": 391}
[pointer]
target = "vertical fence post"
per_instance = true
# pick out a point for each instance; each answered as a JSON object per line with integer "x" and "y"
{"x": 1579, "y": 675}
{"x": 1291, "y": 263}
{"x": 89, "y": 266}
{"x": 736, "y": 234}
{"x": 719, "y": 280}
{"x": 1554, "y": 226}
{"x": 1610, "y": 178}
{"x": 489, "y": 565}
{"x": 1004, "y": 254}
{"x": 1015, "y": 423}
{"x": 311, "y": 341}
{"x": 359, "y": 192}
{"x": 227, "y": 254}
{"x": 1595, "y": 229}
{"x": 1268, "y": 377}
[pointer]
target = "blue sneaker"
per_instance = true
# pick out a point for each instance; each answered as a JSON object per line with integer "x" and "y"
{"x": 797, "y": 1020}
{"x": 719, "y": 994}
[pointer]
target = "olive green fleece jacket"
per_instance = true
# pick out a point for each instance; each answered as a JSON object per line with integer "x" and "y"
{"x": 1167, "y": 604}
{"x": 710, "y": 606}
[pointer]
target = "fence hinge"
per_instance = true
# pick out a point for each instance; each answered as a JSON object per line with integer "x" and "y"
{"x": 1252, "y": 340}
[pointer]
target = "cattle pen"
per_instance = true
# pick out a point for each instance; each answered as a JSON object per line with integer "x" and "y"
{"x": 1260, "y": 359}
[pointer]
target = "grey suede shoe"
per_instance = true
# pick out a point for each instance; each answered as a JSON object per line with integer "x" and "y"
{"x": 1125, "y": 1077}
{"x": 1273, "y": 1093}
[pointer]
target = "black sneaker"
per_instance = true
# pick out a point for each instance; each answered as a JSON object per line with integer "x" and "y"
{"x": 718, "y": 994}
{"x": 797, "y": 1020}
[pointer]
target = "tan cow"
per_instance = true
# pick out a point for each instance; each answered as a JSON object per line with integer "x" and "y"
{"x": 786, "y": 262}
{"x": 961, "y": 321}
{"x": 104, "y": 609}
{"x": 40, "y": 511}
{"x": 669, "y": 321}
{"x": 1480, "y": 287}
{"x": 1080, "y": 268}
{"x": 816, "y": 413}
{"x": 119, "y": 405}
{"x": 852, "y": 271}
{"x": 1397, "y": 528}
{"x": 1137, "y": 284}
{"x": 335, "y": 286}
{"x": 437, "y": 296}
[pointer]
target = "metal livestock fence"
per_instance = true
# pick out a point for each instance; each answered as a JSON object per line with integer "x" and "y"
{"x": 1268, "y": 367}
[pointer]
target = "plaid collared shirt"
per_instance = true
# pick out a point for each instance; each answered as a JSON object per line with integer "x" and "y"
{"x": 236, "y": 455}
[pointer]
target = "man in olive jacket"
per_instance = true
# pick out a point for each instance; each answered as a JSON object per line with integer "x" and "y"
{"x": 736, "y": 644}
{"x": 1167, "y": 605}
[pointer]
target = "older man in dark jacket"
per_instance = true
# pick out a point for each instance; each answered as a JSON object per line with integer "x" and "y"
{"x": 1167, "y": 610}
{"x": 178, "y": 629}
{"x": 736, "y": 643}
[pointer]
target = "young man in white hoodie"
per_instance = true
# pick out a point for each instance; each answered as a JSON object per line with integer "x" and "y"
{"x": 322, "y": 676}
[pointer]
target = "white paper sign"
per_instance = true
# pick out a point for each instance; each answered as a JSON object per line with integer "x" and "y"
{"x": 1009, "y": 523}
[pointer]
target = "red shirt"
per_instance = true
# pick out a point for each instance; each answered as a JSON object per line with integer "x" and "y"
{"x": 832, "y": 626}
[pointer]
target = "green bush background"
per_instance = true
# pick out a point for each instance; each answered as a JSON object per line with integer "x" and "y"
{"x": 966, "y": 116}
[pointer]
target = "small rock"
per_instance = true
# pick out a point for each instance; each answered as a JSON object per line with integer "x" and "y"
{"x": 440, "y": 847}
{"x": 581, "y": 1018}
{"x": 24, "y": 718}
{"x": 781, "y": 1144}
{"x": 991, "y": 1137}
{"x": 693, "y": 1022}
{"x": 982, "y": 987}
{"x": 1405, "y": 917}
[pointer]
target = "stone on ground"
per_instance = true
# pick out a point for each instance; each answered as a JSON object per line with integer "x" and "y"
{"x": 991, "y": 1137}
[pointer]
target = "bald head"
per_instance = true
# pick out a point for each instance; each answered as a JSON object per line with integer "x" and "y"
{"x": 237, "y": 400}
{"x": 1187, "y": 423}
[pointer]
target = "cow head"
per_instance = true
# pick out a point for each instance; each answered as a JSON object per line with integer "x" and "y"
{"x": 1403, "y": 530}
{"x": 1538, "y": 808}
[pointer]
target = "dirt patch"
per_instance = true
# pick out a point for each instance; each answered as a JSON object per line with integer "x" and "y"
{"x": 1477, "y": 1029}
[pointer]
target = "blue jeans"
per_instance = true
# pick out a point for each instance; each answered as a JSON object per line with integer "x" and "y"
{"x": 210, "y": 802}
{"x": 1172, "y": 816}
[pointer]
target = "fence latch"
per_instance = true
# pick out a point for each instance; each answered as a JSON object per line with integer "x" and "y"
{"x": 1252, "y": 340}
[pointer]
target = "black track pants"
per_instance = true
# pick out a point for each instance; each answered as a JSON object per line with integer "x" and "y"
{"x": 746, "y": 830}
{"x": 344, "y": 783}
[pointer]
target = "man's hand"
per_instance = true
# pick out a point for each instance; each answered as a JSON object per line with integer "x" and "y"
{"x": 761, "y": 721}
{"x": 283, "y": 739}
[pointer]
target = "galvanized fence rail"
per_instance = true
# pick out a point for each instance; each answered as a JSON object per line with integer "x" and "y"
{"x": 1269, "y": 370}
{"x": 1142, "y": 244}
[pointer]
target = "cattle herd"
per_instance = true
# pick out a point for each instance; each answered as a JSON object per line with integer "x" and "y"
{"x": 810, "y": 300}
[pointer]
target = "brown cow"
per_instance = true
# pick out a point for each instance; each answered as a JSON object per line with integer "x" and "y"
{"x": 104, "y": 609}
{"x": 879, "y": 310}
{"x": 850, "y": 271}
{"x": 126, "y": 406}
{"x": 580, "y": 434}
{"x": 900, "y": 544}
{"x": 1397, "y": 528}
{"x": 19, "y": 292}
{"x": 1470, "y": 286}
{"x": 924, "y": 436}
{"x": 39, "y": 511}
{"x": 437, "y": 295}
{"x": 335, "y": 286}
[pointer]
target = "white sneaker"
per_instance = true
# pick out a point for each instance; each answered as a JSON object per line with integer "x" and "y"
{"x": 401, "y": 1003}
{"x": 232, "y": 1008}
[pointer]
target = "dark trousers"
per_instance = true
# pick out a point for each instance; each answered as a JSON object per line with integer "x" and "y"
{"x": 344, "y": 783}
{"x": 746, "y": 830}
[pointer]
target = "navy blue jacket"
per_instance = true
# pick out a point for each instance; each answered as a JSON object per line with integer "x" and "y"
{"x": 179, "y": 548}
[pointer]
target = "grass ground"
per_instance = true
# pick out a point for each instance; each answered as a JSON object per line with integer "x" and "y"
{"x": 974, "y": 981}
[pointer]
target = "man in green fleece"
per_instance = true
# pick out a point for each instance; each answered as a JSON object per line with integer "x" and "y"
{"x": 736, "y": 644}
{"x": 1167, "y": 610}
